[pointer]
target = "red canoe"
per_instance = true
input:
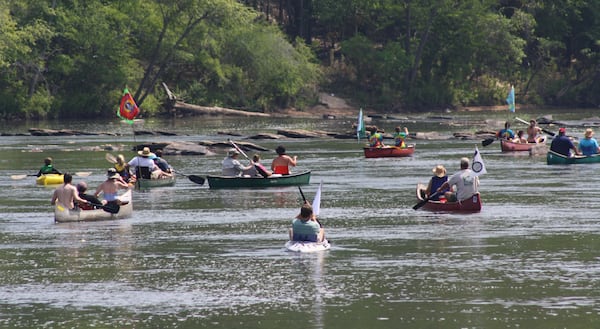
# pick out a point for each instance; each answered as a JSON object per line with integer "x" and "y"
{"x": 508, "y": 146}
{"x": 472, "y": 204}
{"x": 389, "y": 151}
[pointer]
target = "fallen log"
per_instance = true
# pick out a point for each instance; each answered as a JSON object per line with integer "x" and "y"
{"x": 206, "y": 110}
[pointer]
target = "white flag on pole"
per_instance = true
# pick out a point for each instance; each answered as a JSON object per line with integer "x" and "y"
{"x": 477, "y": 166}
{"x": 316, "y": 204}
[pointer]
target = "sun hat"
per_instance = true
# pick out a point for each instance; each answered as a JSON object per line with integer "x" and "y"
{"x": 232, "y": 152}
{"x": 439, "y": 171}
{"x": 115, "y": 176}
{"x": 589, "y": 132}
{"x": 145, "y": 152}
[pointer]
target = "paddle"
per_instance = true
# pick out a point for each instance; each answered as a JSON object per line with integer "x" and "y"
{"x": 488, "y": 141}
{"x": 424, "y": 201}
{"x": 239, "y": 149}
{"x": 196, "y": 179}
{"x": 544, "y": 130}
{"x": 18, "y": 177}
{"x": 110, "y": 158}
{"x": 304, "y": 199}
{"x": 112, "y": 208}
{"x": 79, "y": 174}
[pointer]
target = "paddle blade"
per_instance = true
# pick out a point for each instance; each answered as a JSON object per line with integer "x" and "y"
{"x": 17, "y": 177}
{"x": 196, "y": 179}
{"x": 488, "y": 141}
{"x": 110, "y": 158}
{"x": 424, "y": 201}
{"x": 112, "y": 208}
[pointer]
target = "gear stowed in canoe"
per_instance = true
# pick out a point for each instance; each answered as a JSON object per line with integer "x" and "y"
{"x": 389, "y": 151}
{"x": 471, "y": 204}
{"x": 63, "y": 215}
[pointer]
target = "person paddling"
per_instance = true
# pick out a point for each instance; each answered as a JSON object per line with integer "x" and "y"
{"x": 305, "y": 226}
{"x": 47, "y": 168}
{"x": 282, "y": 163}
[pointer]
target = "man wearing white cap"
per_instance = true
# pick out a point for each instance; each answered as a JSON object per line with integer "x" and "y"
{"x": 232, "y": 166}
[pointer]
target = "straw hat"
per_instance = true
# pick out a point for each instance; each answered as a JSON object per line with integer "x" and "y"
{"x": 115, "y": 176}
{"x": 588, "y": 133}
{"x": 439, "y": 171}
{"x": 145, "y": 152}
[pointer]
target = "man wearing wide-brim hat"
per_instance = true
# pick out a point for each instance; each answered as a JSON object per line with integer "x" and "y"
{"x": 143, "y": 160}
{"x": 232, "y": 166}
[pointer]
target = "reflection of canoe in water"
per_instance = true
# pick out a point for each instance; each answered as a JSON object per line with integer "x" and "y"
{"x": 158, "y": 182}
{"x": 556, "y": 158}
{"x": 307, "y": 246}
{"x": 536, "y": 148}
{"x": 298, "y": 179}
{"x": 389, "y": 151}
{"x": 62, "y": 214}
{"x": 472, "y": 204}
{"x": 50, "y": 179}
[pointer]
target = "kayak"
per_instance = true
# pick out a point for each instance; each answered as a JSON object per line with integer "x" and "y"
{"x": 471, "y": 204}
{"x": 64, "y": 215}
{"x": 307, "y": 246}
{"x": 298, "y": 179}
{"x": 556, "y": 158}
{"x": 509, "y": 146}
{"x": 50, "y": 179}
{"x": 142, "y": 183}
{"x": 389, "y": 151}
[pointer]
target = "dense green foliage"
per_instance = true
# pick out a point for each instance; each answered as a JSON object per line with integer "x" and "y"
{"x": 61, "y": 58}
{"x": 392, "y": 54}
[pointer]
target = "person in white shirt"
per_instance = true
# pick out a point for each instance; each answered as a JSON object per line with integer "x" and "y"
{"x": 232, "y": 166}
{"x": 465, "y": 182}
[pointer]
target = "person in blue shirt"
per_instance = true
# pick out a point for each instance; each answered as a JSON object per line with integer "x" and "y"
{"x": 506, "y": 133}
{"x": 588, "y": 145}
{"x": 438, "y": 179}
{"x": 562, "y": 144}
{"x": 305, "y": 226}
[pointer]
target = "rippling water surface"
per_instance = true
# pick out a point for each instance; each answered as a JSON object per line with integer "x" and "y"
{"x": 191, "y": 257}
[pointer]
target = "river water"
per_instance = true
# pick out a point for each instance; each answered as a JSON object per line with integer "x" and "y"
{"x": 191, "y": 257}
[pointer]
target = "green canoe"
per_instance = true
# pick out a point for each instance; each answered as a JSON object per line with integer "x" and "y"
{"x": 556, "y": 158}
{"x": 302, "y": 178}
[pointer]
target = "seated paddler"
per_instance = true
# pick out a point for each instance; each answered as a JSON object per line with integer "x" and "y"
{"x": 305, "y": 226}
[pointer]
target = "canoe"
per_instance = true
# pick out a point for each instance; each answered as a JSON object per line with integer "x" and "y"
{"x": 307, "y": 246}
{"x": 472, "y": 204}
{"x": 148, "y": 183}
{"x": 389, "y": 151}
{"x": 556, "y": 158}
{"x": 509, "y": 146}
{"x": 64, "y": 215}
{"x": 215, "y": 182}
{"x": 50, "y": 179}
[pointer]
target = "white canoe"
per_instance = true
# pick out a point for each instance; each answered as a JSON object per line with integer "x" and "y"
{"x": 307, "y": 246}
{"x": 63, "y": 215}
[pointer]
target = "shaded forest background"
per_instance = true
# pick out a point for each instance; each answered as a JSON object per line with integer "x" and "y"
{"x": 72, "y": 58}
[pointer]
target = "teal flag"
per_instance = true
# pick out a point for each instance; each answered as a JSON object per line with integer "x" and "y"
{"x": 511, "y": 99}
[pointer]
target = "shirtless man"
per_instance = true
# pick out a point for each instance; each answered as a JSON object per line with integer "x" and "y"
{"x": 66, "y": 195}
{"x": 110, "y": 187}
{"x": 281, "y": 164}
{"x": 532, "y": 132}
